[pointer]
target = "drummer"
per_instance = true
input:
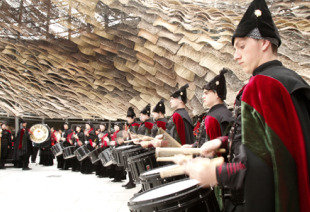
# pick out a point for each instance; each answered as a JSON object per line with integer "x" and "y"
{"x": 67, "y": 141}
{"x": 159, "y": 117}
{"x": 90, "y": 136}
{"x": 146, "y": 123}
{"x": 131, "y": 120}
{"x": 116, "y": 172}
{"x": 78, "y": 140}
{"x": 46, "y": 155}
{"x": 103, "y": 141}
{"x": 180, "y": 125}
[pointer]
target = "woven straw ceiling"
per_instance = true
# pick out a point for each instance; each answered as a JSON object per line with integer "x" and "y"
{"x": 94, "y": 59}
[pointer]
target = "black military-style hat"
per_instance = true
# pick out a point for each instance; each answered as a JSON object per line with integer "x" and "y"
{"x": 146, "y": 110}
{"x": 218, "y": 84}
{"x": 257, "y": 23}
{"x": 23, "y": 121}
{"x": 181, "y": 93}
{"x": 131, "y": 112}
{"x": 160, "y": 107}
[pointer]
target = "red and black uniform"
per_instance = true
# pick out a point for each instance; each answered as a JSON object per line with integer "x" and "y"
{"x": 160, "y": 123}
{"x": 272, "y": 165}
{"x": 145, "y": 128}
{"x": 46, "y": 154}
{"x": 133, "y": 127}
{"x": 215, "y": 124}
{"x": 67, "y": 163}
{"x": 6, "y": 145}
{"x": 102, "y": 144}
{"x": 180, "y": 127}
{"x": 22, "y": 148}
{"x": 86, "y": 164}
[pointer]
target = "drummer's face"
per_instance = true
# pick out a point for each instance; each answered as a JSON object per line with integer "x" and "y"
{"x": 87, "y": 126}
{"x": 174, "y": 102}
{"x": 65, "y": 126}
{"x": 102, "y": 127}
{"x": 130, "y": 120}
{"x": 24, "y": 124}
{"x": 78, "y": 129}
{"x": 3, "y": 126}
{"x": 155, "y": 115}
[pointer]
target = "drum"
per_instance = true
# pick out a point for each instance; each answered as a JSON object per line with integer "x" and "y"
{"x": 117, "y": 154}
{"x": 106, "y": 157}
{"x": 129, "y": 153}
{"x": 151, "y": 179}
{"x": 40, "y": 135}
{"x": 57, "y": 149}
{"x": 81, "y": 153}
{"x": 182, "y": 195}
{"x": 141, "y": 163}
{"x": 69, "y": 152}
{"x": 93, "y": 155}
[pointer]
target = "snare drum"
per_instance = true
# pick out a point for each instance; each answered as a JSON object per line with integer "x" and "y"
{"x": 129, "y": 153}
{"x": 81, "y": 153}
{"x": 69, "y": 152}
{"x": 182, "y": 195}
{"x": 57, "y": 149}
{"x": 106, "y": 157}
{"x": 141, "y": 163}
{"x": 93, "y": 155}
{"x": 151, "y": 179}
{"x": 117, "y": 157}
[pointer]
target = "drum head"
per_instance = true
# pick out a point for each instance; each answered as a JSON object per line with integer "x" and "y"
{"x": 159, "y": 169}
{"x": 166, "y": 190}
{"x": 40, "y": 133}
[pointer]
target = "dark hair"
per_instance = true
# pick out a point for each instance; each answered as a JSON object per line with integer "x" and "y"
{"x": 274, "y": 48}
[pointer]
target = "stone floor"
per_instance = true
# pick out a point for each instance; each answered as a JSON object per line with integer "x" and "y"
{"x": 51, "y": 190}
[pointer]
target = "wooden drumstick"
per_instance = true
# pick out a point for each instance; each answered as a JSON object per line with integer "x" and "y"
{"x": 167, "y": 152}
{"x": 166, "y": 137}
{"x": 130, "y": 141}
{"x": 169, "y": 159}
{"x": 179, "y": 170}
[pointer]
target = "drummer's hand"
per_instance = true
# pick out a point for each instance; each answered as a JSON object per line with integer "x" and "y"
{"x": 203, "y": 170}
{"x": 187, "y": 146}
{"x": 160, "y": 136}
{"x": 133, "y": 136}
{"x": 9, "y": 147}
{"x": 146, "y": 144}
{"x": 146, "y": 138}
{"x": 137, "y": 141}
{"x": 180, "y": 159}
{"x": 80, "y": 143}
{"x": 113, "y": 143}
{"x": 209, "y": 148}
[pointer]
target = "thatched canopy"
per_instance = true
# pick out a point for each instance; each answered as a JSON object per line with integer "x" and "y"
{"x": 87, "y": 59}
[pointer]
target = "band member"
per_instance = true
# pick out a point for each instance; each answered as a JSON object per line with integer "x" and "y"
{"x": 217, "y": 121}
{"x": 116, "y": 172}
{"x": 46, "y": 155}
{"x": 180, "y": 125}
{"x": 6, "y": 144}
{"x": 272, "y": 165}
{"x": 146, "y": 123}
{"x": 60, "y": 159}
{"x": 90, "y": 136}
{"x": 78, "y": 140}
{"x": 132, "y": 124}
{"x": 159, "y": 117}
{"x": 67, "y": 141}
{"x": 102, "y": 143}
{"x": 23, "y": 146}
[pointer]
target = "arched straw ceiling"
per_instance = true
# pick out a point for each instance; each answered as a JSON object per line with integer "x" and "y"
{"x": 86, "y": 59}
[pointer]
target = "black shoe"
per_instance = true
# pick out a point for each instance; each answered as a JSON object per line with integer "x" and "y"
{"x": 25, "y": 169}
{"x": 130, "y": 185}
{"x": 125, "y": 185}
{"x": 2, "y": 167}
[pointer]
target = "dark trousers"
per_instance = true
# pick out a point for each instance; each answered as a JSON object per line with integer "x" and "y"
{"x": 34, "y": 154}
{"x": 24, "y": 160}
